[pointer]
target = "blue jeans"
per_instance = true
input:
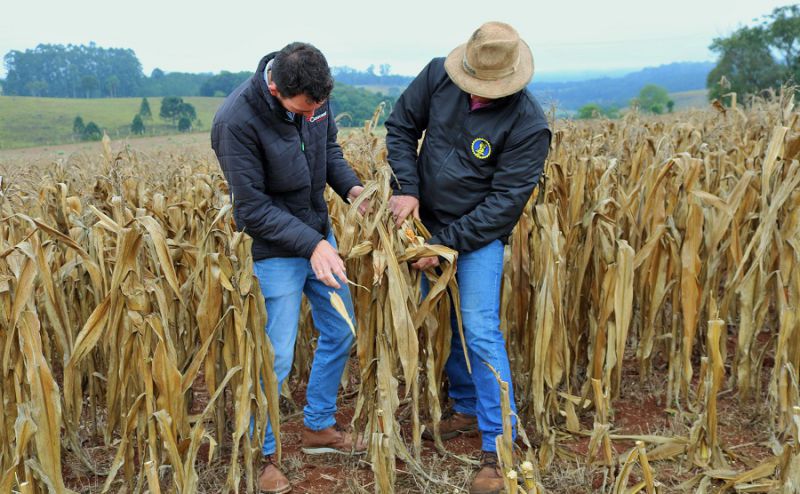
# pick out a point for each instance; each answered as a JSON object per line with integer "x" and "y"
{"x": 479, "y": 275}
{"x": 283, "y": 282}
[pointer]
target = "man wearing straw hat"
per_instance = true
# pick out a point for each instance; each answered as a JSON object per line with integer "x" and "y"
{"x": 275, "y": 139}
{"x": 486, "y": 140}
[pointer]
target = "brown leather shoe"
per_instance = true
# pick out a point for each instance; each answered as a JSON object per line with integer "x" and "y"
{"x": 452, "y": 425}
{"x": 272, "y": 480}
{"x": 332, "y": 440}
{"x": 490, "y": 478}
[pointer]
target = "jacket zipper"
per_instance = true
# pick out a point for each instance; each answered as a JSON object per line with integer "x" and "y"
{"x": 302, "y": 142}
{"x": 303, "y": 149}
{"x": 310, "y": 177}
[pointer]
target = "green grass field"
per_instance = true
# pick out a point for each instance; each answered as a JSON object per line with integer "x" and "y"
{"x": 697, "y": 98}
{"x": 26, "y": 121}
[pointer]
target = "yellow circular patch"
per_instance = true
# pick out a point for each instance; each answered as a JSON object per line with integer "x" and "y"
{"x": 481, "y": 148}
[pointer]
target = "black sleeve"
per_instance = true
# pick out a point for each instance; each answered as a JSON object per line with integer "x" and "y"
{"x": 256, "y": 214}
{"x": 519, "y": 167}
{"x": 404, "y": 127}
{"x": 340, "y": 176}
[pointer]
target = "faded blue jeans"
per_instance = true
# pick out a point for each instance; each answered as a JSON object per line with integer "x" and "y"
{"x": 283, "y": 282}
{"x": 479, "y": 275}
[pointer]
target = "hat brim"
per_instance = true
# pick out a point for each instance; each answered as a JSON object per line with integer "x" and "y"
{"x": 499, "y": 88}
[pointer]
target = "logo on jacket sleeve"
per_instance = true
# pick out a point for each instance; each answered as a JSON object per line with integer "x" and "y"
{"x": 481, "y": 148}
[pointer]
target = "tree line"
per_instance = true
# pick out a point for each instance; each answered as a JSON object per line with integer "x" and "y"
{"x": 72, "y": 71}
{"x": 381, "y": 76}
{"x": 90, "y": 71}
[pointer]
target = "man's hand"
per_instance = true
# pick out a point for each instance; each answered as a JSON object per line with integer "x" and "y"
{"x": 353, "y": 194}
{"x": 327, "y": 265}
{"x": 426, "y": 262}
{"x": 402, "y": 206}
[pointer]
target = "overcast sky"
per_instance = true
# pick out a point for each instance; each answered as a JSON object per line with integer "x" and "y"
{"x": 565, "y": 35}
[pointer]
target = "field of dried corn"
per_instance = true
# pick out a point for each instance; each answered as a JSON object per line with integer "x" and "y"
{"x": 650, "y": 303}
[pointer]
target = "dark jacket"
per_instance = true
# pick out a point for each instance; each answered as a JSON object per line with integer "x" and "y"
{"x": 277, "y": 169}
{"x": 476, "y": 169}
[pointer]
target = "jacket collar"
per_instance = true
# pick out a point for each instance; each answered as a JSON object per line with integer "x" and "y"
{"x": 496, "y": 104}
{"x": 264, "y": 100}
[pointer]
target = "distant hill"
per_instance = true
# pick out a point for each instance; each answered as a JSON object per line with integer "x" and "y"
{"x": 571, "y": 92}
{"x": 617, "y": 91}
{"x": 579, "y": 75}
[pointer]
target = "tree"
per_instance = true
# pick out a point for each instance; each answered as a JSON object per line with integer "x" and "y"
{"x": 112, "y": 83}
{"x": 223, "y": 83}
{"x": 670, "y": 106}
{"x": 186, "y": 110}
{"x": 593, "y": 110}
{"x": 137, "y": 126}
{"x": 185, "y": 124}
{"x": 144, "y": 109}
{"x": 92, "y": 132}
{"x": 746, "y": 62}
{"x": 170, "y": 108}
{"x": 758, "y": 57}
{"x": 89, "y": 85}
{"x": 590, "y": 110}
{"x": 36, "y": 88}
{"x": 174, "y": 109}
{"x": 611, "y": 111}
{"x": 784, "y": 36}
{"x": 78, "y": 126}
{"x": 174, "y": 84}
{"x": 356, "y": 103}
{"x": 653, "y": 98}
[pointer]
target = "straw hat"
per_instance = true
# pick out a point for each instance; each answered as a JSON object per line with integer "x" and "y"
{"x": 494, "y": 63}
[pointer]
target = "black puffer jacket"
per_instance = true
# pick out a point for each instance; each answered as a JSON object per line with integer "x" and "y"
{"x": 476, "y": 169}
{"x": 277, "y": 169}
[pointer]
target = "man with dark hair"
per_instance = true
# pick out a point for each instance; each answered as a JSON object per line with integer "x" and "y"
{"x": 486, "y": 140}
{"x": 275, "y": 139}
{"x": 302, "y": 73}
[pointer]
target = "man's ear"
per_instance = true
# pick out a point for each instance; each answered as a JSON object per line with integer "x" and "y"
{"x": 273, "y": 89}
